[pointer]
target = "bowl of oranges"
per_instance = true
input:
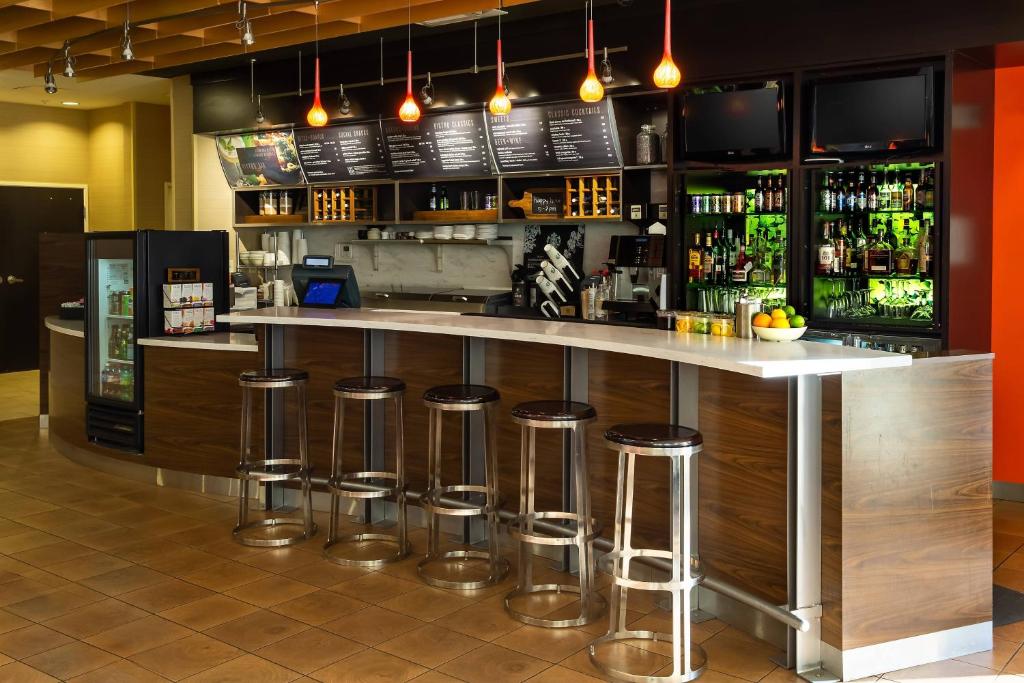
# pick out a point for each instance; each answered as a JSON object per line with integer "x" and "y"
{"x": 780, "y": 325}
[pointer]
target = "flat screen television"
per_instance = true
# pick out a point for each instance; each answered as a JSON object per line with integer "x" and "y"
{"x": 890, "y": 113}
{"x": 738, "y": 122}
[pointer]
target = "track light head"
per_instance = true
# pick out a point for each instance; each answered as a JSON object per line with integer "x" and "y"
{"x": 260, "y": 118}
{"x": 344, "y": 105}
{"x": 427, "y": 92}
{"x": 248, "y": 38}
{"x": 69, "y": 60}
{"x": 127, "y": 53}
{"x": 50, "y": 83}
{"x": 606, "y": 69}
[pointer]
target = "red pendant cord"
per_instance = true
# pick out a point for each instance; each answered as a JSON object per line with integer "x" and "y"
{"x": 501, "y": 64}
{"x": 590, "y": 46}
{"x": 668, "y": 27}
{"x": 316, "y": 85}
{"x": 408, "y": 75}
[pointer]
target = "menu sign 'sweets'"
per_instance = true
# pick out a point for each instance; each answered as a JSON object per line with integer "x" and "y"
{"x": 437, "y": 146}
{"x": 348, "y": 152}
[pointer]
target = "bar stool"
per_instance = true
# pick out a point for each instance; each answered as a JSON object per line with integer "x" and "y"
{"x": 573, "y": 416}
{"x": 679, "y": 444}
{"x": 362, "y": 485}
{"x": 461, "y": 398}
{"x": 273, "y": 469}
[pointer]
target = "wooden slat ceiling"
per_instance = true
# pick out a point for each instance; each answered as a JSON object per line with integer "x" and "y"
{"x": 32, "y": 32}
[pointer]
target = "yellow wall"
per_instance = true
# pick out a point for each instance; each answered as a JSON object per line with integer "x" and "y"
{"x": 151, "y": 144}
{"x": 110, "y": 168}
{"x": 44, "y": 144}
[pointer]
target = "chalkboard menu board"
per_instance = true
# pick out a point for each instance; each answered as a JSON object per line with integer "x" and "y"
{"x": 553, "y": 137}
{"x": 259, "y": 159}
{"x": 347, "y": 152}
{"x": 452, "y": 144}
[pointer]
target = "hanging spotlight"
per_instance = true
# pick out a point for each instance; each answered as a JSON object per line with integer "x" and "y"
{"x": 252, "y": 92}
{"x": 316, "y": 116}
{"x": 127, "y": 54}
{"x": 500, "y": 104}
{"x": 606, "y": 69}
{"x": 69, "y": 60}
{"x": 667, "y": 74}
{"x": 50, "y": 83}
{"x": 244, "y": 25}
{"x": 505, "y": 85}
{"x": 591, "y": 90}
{"x": 260, "y": 118}
{"x": 409, "y": 111}
{"x": 427, "y": 92}
{"x": 344, "y": 106}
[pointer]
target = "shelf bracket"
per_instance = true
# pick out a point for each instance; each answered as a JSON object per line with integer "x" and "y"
{"x": 375, "y": 253}
{"x": 439, "y": 257}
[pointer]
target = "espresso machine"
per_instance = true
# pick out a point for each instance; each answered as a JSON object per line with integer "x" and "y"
{"x": 636, "y": 264}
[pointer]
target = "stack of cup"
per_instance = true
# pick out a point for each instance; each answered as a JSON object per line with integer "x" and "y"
{"x": 279, "y": 293}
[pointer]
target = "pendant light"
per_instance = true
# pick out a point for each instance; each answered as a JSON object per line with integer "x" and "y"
{"x": 317, "y": 115}
{"x": 500, "y": 104}
{"x": 667, "y": 74}
{"x": 344, "y": 104}
{"x": 591, "y": 90}
{"x": 409, "y": 111}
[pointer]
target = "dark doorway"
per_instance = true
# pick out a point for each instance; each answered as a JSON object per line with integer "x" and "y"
{"x": 24, "y": 213}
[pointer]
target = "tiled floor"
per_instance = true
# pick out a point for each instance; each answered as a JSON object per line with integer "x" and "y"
{"x": 105, "y": 580}
{"x": 19, "y": 394}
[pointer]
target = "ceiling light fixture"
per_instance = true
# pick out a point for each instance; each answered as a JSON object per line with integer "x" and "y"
{"x": 409, "y": 111}
{"x": 317, "y": 115}
{"x": 244, "y": 25}
{"x": 591, "y": 90}
{"x": 500, "y": 104}
{"x": 667, "y": 75}
{"x": 70, "y": 103}
{"x": 606, "y": 69}
{"x": 260, "y": 118}
{"x": 50, "y": 83}
{"x": 427, "y": 92}
{"x": 69, "y": 60}
{"x": 127, "y": 54}
{"x": 344, "y": 105}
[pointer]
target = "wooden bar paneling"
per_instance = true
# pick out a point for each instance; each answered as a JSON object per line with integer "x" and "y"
{"x": 625, "y": 388}
{"x": 67, "y": 387}
{"x": 742, "y": 481}
{"x": 61, "y": 278}
{"x": 916, "y": 503}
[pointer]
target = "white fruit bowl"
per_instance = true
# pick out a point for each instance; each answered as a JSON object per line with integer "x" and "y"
{"x": 779, "y": 334}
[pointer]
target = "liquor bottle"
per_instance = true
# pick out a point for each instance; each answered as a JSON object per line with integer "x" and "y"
{"x": 695, "y": 259}
{"x": 840, "y": 250}
{"x": 826, "y": 251}
{"x": 840, "y": 195}
{"x": 929, "y": 189}
{"x": 908, "y": 193}
{"x": 825, "y": 194}
{"x": 896, "y": 203}
{"x": 719, "y": 253}
{"x": 850, "y": 253}
{"x": 879, "y": 255}
{"x": 884, "y": 193}
{"x": 741, "y": 271}
{"x": 759, "y": 197}
{"x": 709, "y": 258}
{"x": 872, "y": 195}
{"x": 760, "y": 272}
{"x": 924, "y": 250}
{"x": 432, "y": 202}
{"x": 779, "y": 264}
{"x": 442, "y": 199}
{"x": 862, "y": 194}
{"x": 779, "y": 195}
{"x": 903, "y": 257}
{"x": 731, "y": 250}
{"x": 919, "y": 189}
{"x": 831, "y": 193}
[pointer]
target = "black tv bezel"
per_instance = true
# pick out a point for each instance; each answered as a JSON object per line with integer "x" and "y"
{"x": 874, "y": 147}
{"x": 748, "y": 154}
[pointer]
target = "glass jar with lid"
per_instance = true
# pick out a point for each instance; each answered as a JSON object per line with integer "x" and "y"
{"x": 648, "y": 146}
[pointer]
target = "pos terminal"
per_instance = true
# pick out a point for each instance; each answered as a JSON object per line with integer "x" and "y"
{"x": 321, "y": 284}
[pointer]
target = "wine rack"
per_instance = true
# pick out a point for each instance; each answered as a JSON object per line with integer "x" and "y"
{"x": 344, "y": 204}
{"x": 593, "y": 197}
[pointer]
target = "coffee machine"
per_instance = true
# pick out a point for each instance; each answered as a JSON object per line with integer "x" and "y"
{"x": 636, "y": 264}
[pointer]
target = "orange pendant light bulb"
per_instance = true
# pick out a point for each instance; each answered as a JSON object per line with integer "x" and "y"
{"x": 591, "y": 90}
{"x": 500, "y": 104}
{"x": 317, "y": 115}
{"x": 409, "y": 111}
{"x": 667, "y": 75}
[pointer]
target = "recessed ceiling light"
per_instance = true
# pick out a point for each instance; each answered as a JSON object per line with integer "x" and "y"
{"x": 69, "y": 103}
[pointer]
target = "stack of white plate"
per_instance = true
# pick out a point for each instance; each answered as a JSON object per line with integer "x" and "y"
{"x": 487, "y": 231}
{"x": 424, "y": 234}
{"x": 443, "y": 232}
{"x": 464, "y": 232}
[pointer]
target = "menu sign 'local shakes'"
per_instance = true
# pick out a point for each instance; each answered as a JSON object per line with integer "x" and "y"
{"x": 257, "y": 159}
{"x": 347, "y": 152}
{"x": 436, "y": 146}
{"x": 554, "y": 137}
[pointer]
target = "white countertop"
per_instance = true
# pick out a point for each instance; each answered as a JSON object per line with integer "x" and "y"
{"x": 213, "y": 341}
{"x": 745, "y": 356}
{"x": 73, "y": 328}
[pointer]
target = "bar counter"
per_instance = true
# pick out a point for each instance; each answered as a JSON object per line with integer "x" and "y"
{"x": 843, "y": 495}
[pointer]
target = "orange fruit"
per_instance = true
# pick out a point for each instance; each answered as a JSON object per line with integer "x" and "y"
{"x": 762, "y": 320}
{"x": 780, "y": 322}
{"x": 779, "y": 314}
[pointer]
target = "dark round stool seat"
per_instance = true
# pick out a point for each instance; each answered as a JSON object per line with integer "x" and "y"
{"x": 554, "y": 411}
{"x": 265, "y": 375}
{"x": 654, "y": 435}
{"x": 370, "y": 385}
{"x": 461, "y": 394}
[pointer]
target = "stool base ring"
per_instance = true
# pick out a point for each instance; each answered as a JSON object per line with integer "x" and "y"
{"x": 432, "y": 505}
{"x": 257, "y": 470}
{"x": 500, "y": 564}
{"x": 336, "y": 484}
{"x": 607, "y": 561}
{"x": 697, "y": 657}
{"x": 517, "y": 532}
{"x": 341, "y": 541}
{"x": 238, "y": 532}
{"x": 597, "y": 606}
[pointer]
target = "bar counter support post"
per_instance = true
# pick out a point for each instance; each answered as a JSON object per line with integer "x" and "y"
{"x": 474, "y": 358}
{"x": 575, "y": 387}
{"x": 803, "y": 503}
{"x": 374, "y": 511}
{"x": 274, "y": 413}
{"x": 684, "y": 406}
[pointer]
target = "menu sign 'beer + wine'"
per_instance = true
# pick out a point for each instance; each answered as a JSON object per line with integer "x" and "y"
{"x": 554, "y": 137}
{"x": 437, "y": 146}
{"x": 347, "y": 152}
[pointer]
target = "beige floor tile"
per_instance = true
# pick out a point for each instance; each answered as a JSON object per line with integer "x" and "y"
{"x": 369, "y": 666}
{"x": 319, "y": 607}
{"x": 737, "y": 654}
{"x": 949, "y": 669}
{"x": 186, "y": 657}
{"x": 96, "y": 618}
{"x": 18, "y": 507}
{"x": 282, "y": 560}
{"x": 427, "y": 604}
{"x": 617, "y": 656}
{"x": 55, "y": 604}
{"x": 31, "y": 640}
{"x": 325, "y": 574}
{"x": 1009, "y": 578}
{"x": 430, "y": 645}
{"x": 372, "y": 625}
{"x": 494, "y": 664}
{"x": 998, "y": 657}
{"x": 9, "y": 545}
{"x": 70, "y": 660}
{"x": 10, "y": 528}
{"x": 486, "y": 620}
{"x": 198, "y": 535}
{"x": 256, "y": 630}
{"x": 309, "y": 650}
{"x": 138, "y": 636}
{"x": 53, "y": 553}
{"x": 560, "y": 674}
{"x": 89, "y": 565}
{"x": 1012, "y": 632}
{"x": 165, "y": 595}
{"x": 208, "y": 612}
{"x": 270, "y": 591}
{"x": 108, "y": 541}
{"x": 246, "y": 669}
{"x": 549, "y": 644}
{"x": 121, "y": 671}
{"x": 22, "y": 673}
{"x": 225, "y": 576}
{"x": 376, "y": 587}
{"x": 141, "y": 552}
{"x": 19, "y": 395}
{"x": 10, "y": 622}
{"x": 181, "y": 560}
{"x": 123, "y": 580}
{"x": 436, "y": 677}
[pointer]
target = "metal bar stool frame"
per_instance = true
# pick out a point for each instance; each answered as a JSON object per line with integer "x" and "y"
{"x": 587, "y": 528}
{"x": 687, "y": 664}
{"x": 273, "y": 469}
{"x": 434, "y": 507}
{"x": 336, "y": 483}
